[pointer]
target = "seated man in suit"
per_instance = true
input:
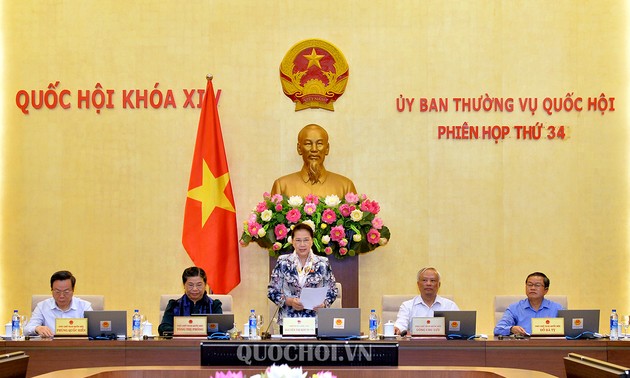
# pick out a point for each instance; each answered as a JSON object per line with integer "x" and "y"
{"x": 428, "y": 280}
{"x": 517, "y": 319}
{"x": 61, "y": 305}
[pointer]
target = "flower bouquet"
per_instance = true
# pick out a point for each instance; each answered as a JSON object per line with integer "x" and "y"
{"x": 275, "y": 371}
{"x": 342, "y": 227}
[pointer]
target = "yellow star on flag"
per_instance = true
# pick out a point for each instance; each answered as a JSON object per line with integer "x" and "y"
{"x": 211, "y": 193}
{"x": 313, "y": 59}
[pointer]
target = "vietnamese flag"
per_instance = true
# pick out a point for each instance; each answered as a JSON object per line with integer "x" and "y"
{"x": 210, "y": 235}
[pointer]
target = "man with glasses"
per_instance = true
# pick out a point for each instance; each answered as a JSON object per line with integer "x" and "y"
{"x": 61, "y": 305}
{"x": 428, "y": 281}
{"x": 517, "y": 319}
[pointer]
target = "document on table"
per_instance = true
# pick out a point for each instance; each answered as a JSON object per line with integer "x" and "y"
{"x": 313, "y": 296}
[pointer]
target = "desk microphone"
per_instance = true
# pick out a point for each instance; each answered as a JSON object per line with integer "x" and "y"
{"x": 266, "y": 334}
{"x": 403, "y": 333}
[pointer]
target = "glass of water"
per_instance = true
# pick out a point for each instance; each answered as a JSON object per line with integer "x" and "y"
{"x": 23, "y": 321}
{"x": 259, "y": 324}
{"x": 625, "y": 322}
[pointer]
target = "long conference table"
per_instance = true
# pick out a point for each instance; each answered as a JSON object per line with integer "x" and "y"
{"x": 544, "y": 355}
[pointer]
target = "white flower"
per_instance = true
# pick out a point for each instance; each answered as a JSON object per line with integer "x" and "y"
{"x": 326, "y": 239}
{"x": 266, "y": 215}
{"x": 356, "y": 237}
{"x": 310, "y": 223}
{"x": 332, "y": 201}
{"x": 284, "y": 371}
{"x": 382, "y": 241}
{"x": 261, "y": 232}
{"x": 295, "y": 201}
{"x": 356, "y": 215}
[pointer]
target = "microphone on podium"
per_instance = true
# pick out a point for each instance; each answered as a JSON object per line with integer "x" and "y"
{"x": 266, "y": 334}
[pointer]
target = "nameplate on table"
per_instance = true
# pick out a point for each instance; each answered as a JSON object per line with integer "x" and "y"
{"x": 71, "y": 327}
{"x": 298, "y": 327}
{"x": 190, "y": 326}
{"x": 547, "y": 327}
{"x": 427, "y": 326}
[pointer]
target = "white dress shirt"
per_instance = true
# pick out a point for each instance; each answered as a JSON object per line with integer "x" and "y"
{"x": 416, "y": 307}
{"x": 47, "y": 311}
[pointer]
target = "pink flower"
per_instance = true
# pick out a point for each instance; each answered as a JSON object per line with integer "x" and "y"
{"x": 325, "y": 374}
{"x": 352, "y": 198}
{"x": 346, "y": 209}
{"x": 276, "y": 198}
{"x": 262, "y": 206}
{"x": 266, "y": 195}
{"x": 337, "y": 233}
{"x": 310, "y": 208}
{"x": 229, "y": 374}
{"x": 375, "y": 208}
{"x": 253, "y": 228}
{"x": 293, "y": 215}
{"x": 329, "y": 216}
{"x": 370, "y": 206}
{"x": 365, "y": 205}
{"x": 377, "y": 223}
{"x": 312, "y": 198}
{"x": 373, "y": 236}
{"x": 280, "y": 231}
{"x": 343, "y": 242}
{"x": 279, "y": 207}
{"x": 343, "y": 251}
{"x": 276, "y": 246}
{"x": 328, "y": 251}
{"x": 252, "y": 218}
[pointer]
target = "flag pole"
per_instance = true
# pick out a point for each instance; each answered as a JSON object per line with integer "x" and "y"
{"x": 209, "y": 233}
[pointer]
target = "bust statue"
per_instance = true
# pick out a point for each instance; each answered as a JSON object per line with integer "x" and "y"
{"x": 313, "y": 178}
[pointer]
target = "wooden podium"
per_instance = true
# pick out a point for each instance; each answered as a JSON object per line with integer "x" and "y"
{"x": 346, "y": 272}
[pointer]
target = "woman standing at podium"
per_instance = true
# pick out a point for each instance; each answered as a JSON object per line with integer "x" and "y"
{"x": 298, "y": 270}
{"x": 194, "y": 301}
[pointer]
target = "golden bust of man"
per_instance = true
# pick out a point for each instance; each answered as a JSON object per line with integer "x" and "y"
{"x": 313, "y": 178}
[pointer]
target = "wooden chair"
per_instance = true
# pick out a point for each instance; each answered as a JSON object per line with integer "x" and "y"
{"x": 13, "y": 365}
{"x": 579, "y": 366}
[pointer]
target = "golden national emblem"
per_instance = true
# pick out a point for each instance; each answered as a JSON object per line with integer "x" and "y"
{"x": 314, "y": 74}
